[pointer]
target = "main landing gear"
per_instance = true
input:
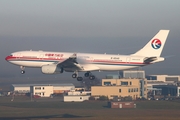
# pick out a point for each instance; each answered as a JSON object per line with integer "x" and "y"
{"x": 87, "y": 74}
{"x": 75, "y": 75}
{"x": 22, "y": 69}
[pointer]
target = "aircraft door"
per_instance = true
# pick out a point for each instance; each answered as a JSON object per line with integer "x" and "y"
{"x": 41, "y": 56}
{"x": 128, "y": 60}
{"x": 91, "y": 59}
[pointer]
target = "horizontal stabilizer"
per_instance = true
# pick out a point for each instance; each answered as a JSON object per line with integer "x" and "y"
{"x": 150, "y": 59}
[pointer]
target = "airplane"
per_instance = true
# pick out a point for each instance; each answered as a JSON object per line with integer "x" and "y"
{"x": 58, "y": 62}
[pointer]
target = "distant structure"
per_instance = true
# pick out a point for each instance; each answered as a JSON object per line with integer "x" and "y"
{"x": 164, "y": 85}
{"x": 42, "y": 89}
{"x": 164, "y": 78}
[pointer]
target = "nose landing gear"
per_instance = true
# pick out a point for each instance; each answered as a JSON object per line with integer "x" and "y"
{"x": 22, "y": 69}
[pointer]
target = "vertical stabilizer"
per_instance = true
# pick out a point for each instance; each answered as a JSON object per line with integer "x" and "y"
{"x": 155, "y": 46}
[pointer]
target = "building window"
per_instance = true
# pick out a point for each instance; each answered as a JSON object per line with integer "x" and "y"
{"x": 120, "y": 90}
{"x": 124, "y": 83}
{"x": 129, "y": 90}
{"x": 107, "y": 83}
{"x": 132, "y": 90}
{"x": 37, "y": 88}
{"x": 37, "y": 93}
{"x": 130, "y": 83}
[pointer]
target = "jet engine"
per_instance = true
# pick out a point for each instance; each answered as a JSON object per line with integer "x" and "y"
{"x": 51, "y": 69}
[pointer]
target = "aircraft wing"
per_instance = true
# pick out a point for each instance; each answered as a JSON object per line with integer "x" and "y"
{"x": 70, "y": 63}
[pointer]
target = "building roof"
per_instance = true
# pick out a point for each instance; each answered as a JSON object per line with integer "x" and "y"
{"x": 166, "y": 75}
{"x": 28, "y": 85}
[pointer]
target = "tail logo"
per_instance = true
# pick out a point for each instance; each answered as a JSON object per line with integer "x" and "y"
{"x": 156, "y": 43}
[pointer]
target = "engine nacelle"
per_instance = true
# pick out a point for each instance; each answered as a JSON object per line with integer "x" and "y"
{"x": 51, "y": 69}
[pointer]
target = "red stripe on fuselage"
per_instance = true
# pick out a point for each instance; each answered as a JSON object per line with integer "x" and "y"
{"x": 116, "y": 62}
{"x": 13, "y": 58}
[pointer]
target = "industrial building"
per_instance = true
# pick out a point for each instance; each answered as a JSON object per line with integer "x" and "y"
{"x": 57, "y": 88}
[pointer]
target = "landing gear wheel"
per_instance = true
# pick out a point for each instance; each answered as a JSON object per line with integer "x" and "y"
{"x": 22, "y": 72}
{"x": 79, "y": 78}
{"x": 92, "y": 77}
{"x": 74, "y": 75}
{"x": 86, "y": 74}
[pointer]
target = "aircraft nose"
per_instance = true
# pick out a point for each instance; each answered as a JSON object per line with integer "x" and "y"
{"x": 8, "y": 58}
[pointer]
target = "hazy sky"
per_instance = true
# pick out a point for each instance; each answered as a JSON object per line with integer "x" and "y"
{"x": 96, "y": 26}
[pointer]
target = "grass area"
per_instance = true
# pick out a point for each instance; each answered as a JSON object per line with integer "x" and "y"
{"x": 22, "y": 108}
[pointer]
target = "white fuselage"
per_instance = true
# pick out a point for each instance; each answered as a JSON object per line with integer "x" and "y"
{"x": 91, "y": 62}
{"x": 57, "y": 62}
